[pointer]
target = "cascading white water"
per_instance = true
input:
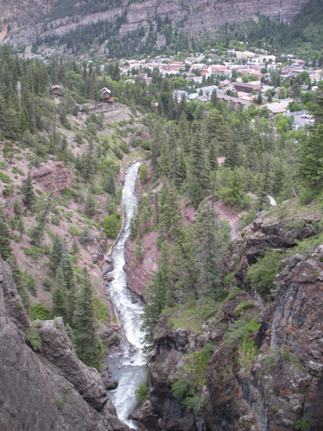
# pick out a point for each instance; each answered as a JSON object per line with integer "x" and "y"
{"x": 128, "y": 366}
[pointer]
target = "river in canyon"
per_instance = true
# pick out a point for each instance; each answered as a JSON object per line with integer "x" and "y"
{"x": 128, "y": 365}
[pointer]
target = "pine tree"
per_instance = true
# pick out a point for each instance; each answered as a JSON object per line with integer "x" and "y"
{"x": 212, "y": 156}
{"x": 310, "y": 159}
{"x": 86, "y": 341}
{"x": 67, "y": 269}
{"x": 37, "y": 233}
{"x": 56, "y": 252}
{"x": 199, "y": 168}
{"x": 90, "y": 206}
{"x": 265, "y": 186}
{"x": 60, "y": 295}
{"x": 157, "y": 293}
{"x": 28, "y": 192}
{"x": 232, "y": 153}
{"x": 210, "y": 244}
{"x": 5, "y": 249}
{"x": 183, "y": 271}
{"x": 110, "y": 185}
{"x": 310, "y": 154}
{"x": 170, "y": 218}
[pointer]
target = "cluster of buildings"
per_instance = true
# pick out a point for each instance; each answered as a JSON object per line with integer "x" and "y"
{"x": 239, "y": 78}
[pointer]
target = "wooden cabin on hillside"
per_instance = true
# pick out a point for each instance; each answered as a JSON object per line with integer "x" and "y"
{"x": 106, "y": 95}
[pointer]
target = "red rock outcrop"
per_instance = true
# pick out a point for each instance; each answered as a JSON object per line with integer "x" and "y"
{"x": 52, "y": 177}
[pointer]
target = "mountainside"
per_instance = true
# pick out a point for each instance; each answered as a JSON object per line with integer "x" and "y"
{"x": 151, "y": 23}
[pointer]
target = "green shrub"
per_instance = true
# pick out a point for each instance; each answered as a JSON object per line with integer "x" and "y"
{"x": 142, "y": 393}
{"x": 5, "y": 178}
{"x": 240, "y": 335}
{"x": 100, "y": 310}
{"x": 247, "y": 218}
{"x": 34, "y": 339}
{"x": 29, "y": 282}
{"x": 8, "y": 190}
{"x": 303, "y": 424}
{"x": 39, "y": 312}
{"x": 85, "y": 237}
{"x": 240, "y": 329}
{"x": 243, "y": 306}
{"x": 74, "y": 230}
{"x": 59, "y": 403}
{"x": 34, "y": 252}
{"x": 261, "y": 275}
{"x": 229, "y": 280}
{"x": 306, "y": 196}
{"x": 192, "y": 377}
{"x": 124, "y": 147}
{"x": 112, "y": 225}
{"x": 248, "y": 352}
{"x": 143, "y": 174}
{"x": 17, "y": 171}
{"x": 118, "y": 153}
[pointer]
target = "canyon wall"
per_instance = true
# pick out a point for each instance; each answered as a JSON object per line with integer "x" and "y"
{"x": 276, "y": 385}
{"x": 28, "y": 21}
{"x": 44, "y": 386}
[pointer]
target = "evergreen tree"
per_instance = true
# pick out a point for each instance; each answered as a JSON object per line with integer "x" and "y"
{"x": 311, "y": 159}
{"x": 60, "y": 295}
{"x": 67, "y": 269}
{"x": 199, "y": 178}
{"x": 157, "y": 293}
{"x": 212, "y": 156}
{"x": 183, "y": 271}
{"x": 210, "y": 244}
{"x": 90, "y": 206}
{"x": 28, "y": 192}
{"x": 265, "y": 186}
{"x": 110, "y": 185}
{"x": 170, "y": 218}
{"x": 56, "y": 252}
{"x": 86, "y": 342}
{"x": 5, "y": 249}
{"x": 38, "y": 232}
{"x": 310, "y": 156}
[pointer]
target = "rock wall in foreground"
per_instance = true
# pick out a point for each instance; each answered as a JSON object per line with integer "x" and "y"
{"x": 51, "y": 390}
{"x": 278, "y": 386}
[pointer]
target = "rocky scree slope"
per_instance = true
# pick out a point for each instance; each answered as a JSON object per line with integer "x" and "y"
{"x": 252, "y": 365}
{"x": 44, "y": 386}
{"x": 127, "y": 17}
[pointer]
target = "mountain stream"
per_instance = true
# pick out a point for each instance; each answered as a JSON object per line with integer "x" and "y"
{"x": 128, "y": 365}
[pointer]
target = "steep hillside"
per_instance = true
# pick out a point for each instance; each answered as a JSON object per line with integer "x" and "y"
{"x": 244, "y": 363}
{"x": 44, "y": 385}
{"x": 142, "y": 25}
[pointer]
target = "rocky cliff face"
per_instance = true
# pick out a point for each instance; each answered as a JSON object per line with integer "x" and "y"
{"x": 49, "y": 390}
{"x": 192, "y": 18}
{"x": 268, "y": 380}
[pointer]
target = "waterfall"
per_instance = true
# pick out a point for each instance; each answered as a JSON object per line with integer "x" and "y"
{"x": 128, "y": 366}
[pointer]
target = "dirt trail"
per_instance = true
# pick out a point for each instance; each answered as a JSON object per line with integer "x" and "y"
{"x": 224, "y": 211}
{"x": 231, "y": 216}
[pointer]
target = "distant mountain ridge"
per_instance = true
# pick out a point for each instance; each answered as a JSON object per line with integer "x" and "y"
{"x": 26, "y": 22}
